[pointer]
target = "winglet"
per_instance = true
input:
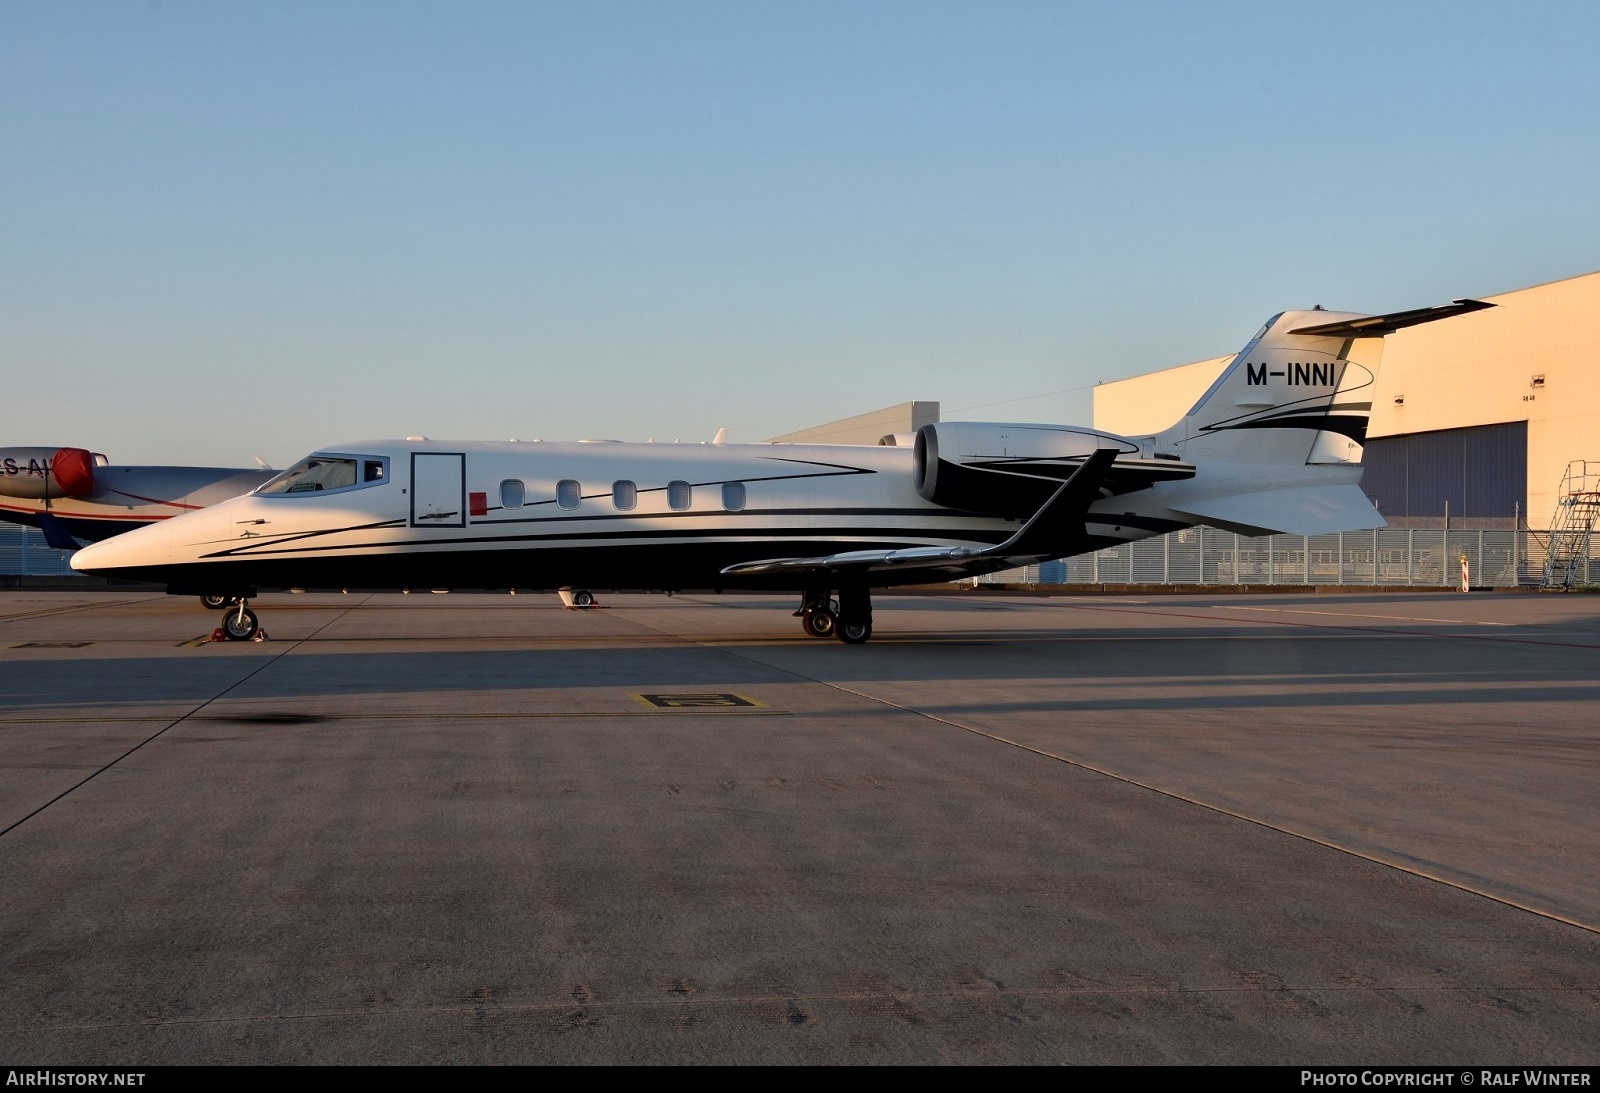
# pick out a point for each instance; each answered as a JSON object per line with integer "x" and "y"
{"x": 55, "y": 532}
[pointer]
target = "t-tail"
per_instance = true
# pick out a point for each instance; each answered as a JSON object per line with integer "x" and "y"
{"x": 1277, "y": 439}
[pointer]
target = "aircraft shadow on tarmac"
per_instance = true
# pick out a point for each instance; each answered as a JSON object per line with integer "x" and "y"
{"x": 1243, "y": 669}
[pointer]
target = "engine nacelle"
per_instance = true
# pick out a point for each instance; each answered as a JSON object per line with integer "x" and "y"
{"x": 999, "y": 469}
{"x": 38, "y": 473}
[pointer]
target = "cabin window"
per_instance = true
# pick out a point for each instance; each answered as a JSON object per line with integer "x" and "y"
{"x": 513, "y": 493}
{"x": 372, "y": 470}
{"x": 568, "y": 493}
{"x": 679, "y": 495}
{"x": 624, "y": 495}
{"x": 733, "y": 496}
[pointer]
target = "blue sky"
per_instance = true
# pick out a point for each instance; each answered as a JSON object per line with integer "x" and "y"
{"x": 238, "y": 229}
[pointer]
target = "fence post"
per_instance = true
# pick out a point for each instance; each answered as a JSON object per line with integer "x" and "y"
{"x": 1166, "y": 557}
{"x": 1341, "y": 557}
{"x": 1202, "y": 541}
{"x": 1305, "y": 560}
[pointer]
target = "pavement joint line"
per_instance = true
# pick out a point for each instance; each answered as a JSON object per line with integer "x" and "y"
{"x": 1359, "y": 615}
{"x": 180, "y": 720}
{"x": 1170, "y": 794}
{"x": 1396, "y": 633}
{"x": 1173, "y": 795}
{"x": 998, "y": 994}
{"x": 641, "y": 714}
{"x": 46, "y": 612}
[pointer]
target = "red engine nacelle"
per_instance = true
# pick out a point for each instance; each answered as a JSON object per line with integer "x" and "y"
{"x": 73, "y": 470}
{"x": 39, "y": 473}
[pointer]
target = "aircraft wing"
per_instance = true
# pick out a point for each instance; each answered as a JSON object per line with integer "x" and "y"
{"x": 1054, "y": 530}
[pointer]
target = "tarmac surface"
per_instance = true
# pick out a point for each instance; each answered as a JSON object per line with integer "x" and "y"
{"x": 1352, "y": 829}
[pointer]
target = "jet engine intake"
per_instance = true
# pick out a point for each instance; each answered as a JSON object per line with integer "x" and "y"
{"x": 1000, "y": 469}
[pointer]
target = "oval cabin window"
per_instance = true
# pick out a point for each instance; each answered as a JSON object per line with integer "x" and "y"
{"x": 733, "y": 496}
{"x": 513, "y": 493}
{"x": 679, "y": 494}
{"x": 568, "y": 493}
{"x": 624, "y": 495}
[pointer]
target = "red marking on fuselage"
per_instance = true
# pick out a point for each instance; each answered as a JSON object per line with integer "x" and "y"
{"x": 157, "y": 500}
{"x": 57, "y": 511}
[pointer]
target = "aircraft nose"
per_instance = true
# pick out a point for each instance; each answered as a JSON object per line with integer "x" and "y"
{"x": 94, "y": 557}
{"x": 132, "y": 549}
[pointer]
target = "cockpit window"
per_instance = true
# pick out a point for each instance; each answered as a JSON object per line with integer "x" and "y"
{"x": 321, "y": 473}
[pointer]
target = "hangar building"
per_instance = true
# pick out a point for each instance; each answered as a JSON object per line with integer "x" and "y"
{"x": 1475, "y": 417}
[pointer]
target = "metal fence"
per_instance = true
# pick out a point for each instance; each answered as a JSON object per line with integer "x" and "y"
{"x": 23, "y": 552}
{"x": 1195, "y": 556}
{"x": 1400, "y": 557}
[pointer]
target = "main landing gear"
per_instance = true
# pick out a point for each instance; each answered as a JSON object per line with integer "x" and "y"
{"x": 848, "y": 618}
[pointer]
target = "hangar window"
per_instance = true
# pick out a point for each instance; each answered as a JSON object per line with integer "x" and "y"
{"x": 513, "y": 493}
{"x": 733, "y": 496}
{"x": 568, "y": 493}
{"x": 679, "y": 495}
{"x": 624, "y": 495}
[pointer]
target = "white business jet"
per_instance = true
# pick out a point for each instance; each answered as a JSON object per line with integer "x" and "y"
{"x": 1273, "y": 446}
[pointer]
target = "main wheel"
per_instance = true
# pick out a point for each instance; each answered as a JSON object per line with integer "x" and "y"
{"x": 582, "y": 597}
{"x": 819, "y": 623}
{"x": 240, "y": 625}
{"x": 216, "y": 603}
{"x": 855, "y": 631}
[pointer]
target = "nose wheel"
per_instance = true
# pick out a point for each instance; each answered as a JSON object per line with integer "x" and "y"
{"x": 240, "y": 624}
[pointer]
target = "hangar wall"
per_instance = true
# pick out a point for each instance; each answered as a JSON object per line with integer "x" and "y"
{"x": 868, "y": 428}
{"x": 1532, "y": 363}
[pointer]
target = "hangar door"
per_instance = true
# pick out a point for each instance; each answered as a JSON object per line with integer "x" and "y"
{"x": 1478, "y": 471}
{"x": 438, "y": 490}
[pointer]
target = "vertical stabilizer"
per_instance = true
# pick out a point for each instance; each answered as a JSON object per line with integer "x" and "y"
{"x": 1300, "y": 392}
{"x": 1285, "y": 397}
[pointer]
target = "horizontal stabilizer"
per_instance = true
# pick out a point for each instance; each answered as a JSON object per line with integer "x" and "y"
{"x": 1372, "y": 326}
{"x": 1303, "y": 510}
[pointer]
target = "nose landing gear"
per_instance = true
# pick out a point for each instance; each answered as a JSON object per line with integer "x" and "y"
{"x": 239, "y": 623}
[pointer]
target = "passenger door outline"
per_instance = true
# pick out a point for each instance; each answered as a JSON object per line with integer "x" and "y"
{"x": 438, "y": 489}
